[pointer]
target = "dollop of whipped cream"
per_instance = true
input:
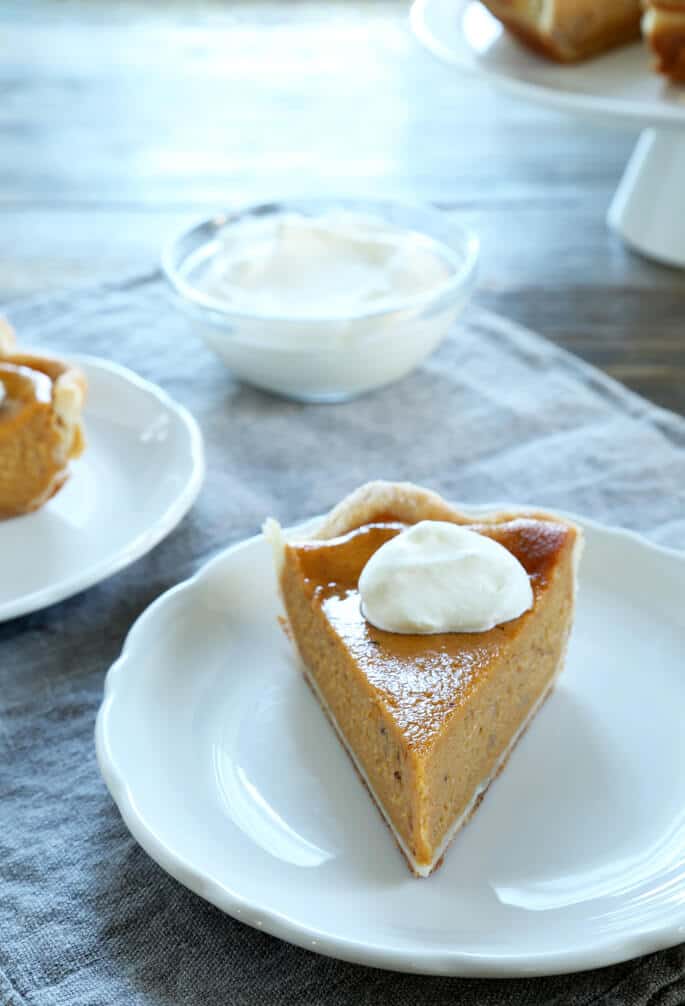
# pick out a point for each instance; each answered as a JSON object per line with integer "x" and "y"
{"x": 339, "y": 263}
{"x": 441, "y": 577}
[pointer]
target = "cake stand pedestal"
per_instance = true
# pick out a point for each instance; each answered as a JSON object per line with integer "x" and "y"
{"x": 648, "y": 210}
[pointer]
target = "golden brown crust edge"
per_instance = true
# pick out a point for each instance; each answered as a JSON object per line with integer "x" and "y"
{"x": 409, "y": 503}
{"x": 406, "y": 502}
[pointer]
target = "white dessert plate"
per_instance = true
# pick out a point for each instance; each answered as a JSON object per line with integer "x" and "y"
{"x": 141, "y": 472}
{"x": 230, "y": 777}
{"x": 617, "y": 86}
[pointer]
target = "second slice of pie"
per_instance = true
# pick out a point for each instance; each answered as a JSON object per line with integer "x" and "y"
{"x": 41, "y": 432}
{"x": 428, "y": 720}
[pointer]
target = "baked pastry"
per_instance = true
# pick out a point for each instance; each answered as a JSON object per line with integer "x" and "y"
{"x": 570, "y": 30}
{"x": 428, "y": 720}
{"x": 663, "y": 26}
{"x": 40, "y": 425}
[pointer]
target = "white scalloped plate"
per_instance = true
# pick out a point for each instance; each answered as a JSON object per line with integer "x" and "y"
{"x": 617, "y": 87}
{"x": 140, "y": 474}
{"x": 227, "y": 773}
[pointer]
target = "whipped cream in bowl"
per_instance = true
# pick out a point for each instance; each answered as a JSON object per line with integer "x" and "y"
{"x": 321, "y": 300}
{"x": 440, "y": 577}
{"x": 336, "y": 265}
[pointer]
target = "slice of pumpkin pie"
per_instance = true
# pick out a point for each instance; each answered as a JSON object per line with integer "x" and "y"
{"x": 41, "y": 399}
{"x": 431, "y": 639}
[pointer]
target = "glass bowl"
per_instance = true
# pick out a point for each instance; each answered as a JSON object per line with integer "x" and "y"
{"x": 324, "y": 357}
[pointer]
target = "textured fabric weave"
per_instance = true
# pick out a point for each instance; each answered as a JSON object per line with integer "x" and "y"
{"x": 86, "y": 918}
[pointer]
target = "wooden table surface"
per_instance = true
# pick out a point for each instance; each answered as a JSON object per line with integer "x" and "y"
{"x": 120, "y": 122}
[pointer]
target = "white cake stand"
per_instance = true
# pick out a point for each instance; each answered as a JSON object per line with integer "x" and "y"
{"x": 648, "y": 209}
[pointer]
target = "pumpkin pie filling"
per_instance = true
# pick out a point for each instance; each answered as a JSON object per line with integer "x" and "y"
{"x": 40, "y": 426}
{"x": 428, "y": 720}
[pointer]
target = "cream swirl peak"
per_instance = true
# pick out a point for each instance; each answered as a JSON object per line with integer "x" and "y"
{"x": 442, "y": 577}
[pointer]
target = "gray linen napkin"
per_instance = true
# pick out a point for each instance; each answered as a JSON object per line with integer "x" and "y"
{"x": 86, "y": 918}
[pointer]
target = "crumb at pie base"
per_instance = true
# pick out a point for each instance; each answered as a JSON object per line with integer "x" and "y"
{"x": 428, "y": 721}
{"x": 41, "y": 399}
